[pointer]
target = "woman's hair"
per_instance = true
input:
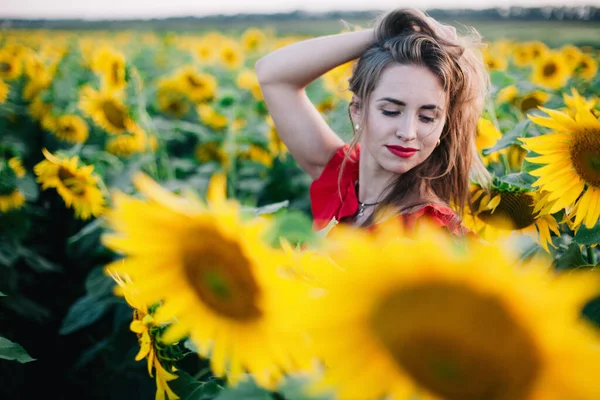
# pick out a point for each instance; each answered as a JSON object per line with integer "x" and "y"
{"x": 405, "y": 37}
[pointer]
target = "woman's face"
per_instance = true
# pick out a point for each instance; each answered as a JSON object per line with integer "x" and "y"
{"x": 406, "y": 116}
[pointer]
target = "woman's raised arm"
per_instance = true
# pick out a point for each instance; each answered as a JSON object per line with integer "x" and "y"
{"x": 284, "y": 73}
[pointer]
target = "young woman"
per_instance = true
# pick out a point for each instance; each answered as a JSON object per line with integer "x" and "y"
{"x": 418, "y": 91}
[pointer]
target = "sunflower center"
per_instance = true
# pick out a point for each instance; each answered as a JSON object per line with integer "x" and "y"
{"x": 114, "y": 114}
{"x": 71, "y": 181}
{"x": 195, "y": 82}
{"x": 529, "y": 103}
{"x": 457, "y": 343}
{"x": 515, "y": 211}
{"x": 115, "y": 72}
{"x": 585, "y": 156}
{"x": 229, "y": 56}
{"x": 549, "y": 69}
{"x": 5, "y": 67}
{"x": 220, "y": 275}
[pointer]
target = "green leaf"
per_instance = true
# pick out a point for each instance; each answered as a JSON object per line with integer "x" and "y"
{"x": 509, "y": 138}
{"x": 528, "y": 166}
{"x": 85, "y": 311}
{"x": 588, "y": 236}
{"x": 8, "y": 254}
{"x": 245, "y": 390}
{"x": 269, "y": 208}
{"x": 294, "y": 226}
{"x": 87, "y": 230}
{"x": 2, "y": 294}
{"x": 294, "y": 388}
{"x": 29, "y": 187}
{"x": 500, "y": 79}
{"x": 98, "y": 284}
{"x": 189, "y": 388}
{"x": 37, "y": 262}
{"x": 13, "y": 351}
{"x": 521, "y": 180}
{"x": 325, "y": 231}
{"x": 571, "y": 258}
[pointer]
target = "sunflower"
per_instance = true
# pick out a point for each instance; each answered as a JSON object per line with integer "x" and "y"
{"x": 70, "y": 128}
{"x": 569, "y": 159}
{"x": 276, "y": 145}
{"x": 4, "y": 89}
{"x": 221, "y": 287}
{"x": 587, "y": 67}
{"x": 487, "y": 136}
{"x": 551, "y": 71}
{"x": 210, "y": 151}
{"x": 11, "y": 65}
{"x": 572, "y": 55}
{"x": 12, "y": 200}
{"x": 430, "y": 320}
{"x": 38, "y": 109}
{"x": 494, "y": 61}
{"x": 106, "y": 109}
{"x": 210, "y": 117}
{"x": 498, "y": 213}
{"x": 507, "y": 94}
{"x": 247, "y": 80}
{"x": 231, "y": 55}
{"x": 143, "y": 326}
{"x": 109, "y": 64}
{"x": 16, "y": 165}
{"x": 253, "y": 39}
{"x": 198, "y": 86}
{"x": 533, "y": 100}
{"x": 205, "y": 51}
{"x": 336, "y": 80}
{"x": 172, "y": 101}
{"x": 258, "y": 154}
{"x": 77, "y": 185}
{"x": 128, "y": 143}
{"x": 575, "y": 98}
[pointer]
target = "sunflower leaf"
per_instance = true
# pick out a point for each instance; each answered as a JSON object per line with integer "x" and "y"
{"x": 189, "y": 388}
{"x": 294, "y": 388}
{"x": 29, "y": 188}
{"x": 500, "y": 79}
{"x": 588, "y": 236}
{"x": 37, "y": 262}
{"x": 571, "y": 258}
{"x": 2, "y": 294}
{"x": 269, "y": 208}
{"x": 245, "y": 390}
{"x": 13, "y": 351}
{"x": 522, "y": 180}
{"x": 509, "y": 138}
{"x": 85, "y": 311}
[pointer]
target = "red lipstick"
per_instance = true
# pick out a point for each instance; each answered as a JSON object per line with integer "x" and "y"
{"x": 403, "y": 152}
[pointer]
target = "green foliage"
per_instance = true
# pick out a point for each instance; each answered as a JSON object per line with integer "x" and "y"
{"x": 13, "y": 351}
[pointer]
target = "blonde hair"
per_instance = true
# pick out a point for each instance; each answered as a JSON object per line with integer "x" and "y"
{"x": 403, "y": 36}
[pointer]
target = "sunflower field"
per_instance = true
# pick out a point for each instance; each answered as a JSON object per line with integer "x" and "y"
{"x": 156, "y": 238}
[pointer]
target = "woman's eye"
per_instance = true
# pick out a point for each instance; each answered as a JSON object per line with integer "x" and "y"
{"x": 386, "y": 112}
{"x": 427, "y": 119}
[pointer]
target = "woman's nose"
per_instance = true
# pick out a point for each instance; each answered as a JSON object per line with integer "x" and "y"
{"x": 406, "y": 129}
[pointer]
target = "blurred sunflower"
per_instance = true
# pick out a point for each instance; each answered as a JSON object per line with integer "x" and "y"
{"x": 276, "y": 145}
{"x": 499, "y": 212}
{"x": 587, "y": 67}
{"x": 253, "y": 39}
{"x": 172, "y": 101}
{"x": 532, "y": 100}
{"x": 109, "y": 64}
{"x": 11, "y": 65}
{"x": 257, "y": 154}
{"x": 221, "y": 287}
{"x": 487, "y": 136}
{"x": 494, "y": 61}
{"x": 247, "y": 80}
{"x": 105, "y": 107}
{"x": 38, "y": 109}
{"x": 231, "y": 55}
{"x": 572, "y": 55}
{"x": 4, "y": 90}
{"x": 77, "y": 186}
{"x": 70, "y": 128}
{"x": 551, "y": 71}
{"x": 143, "y": 326}
{"x": 210, "y": 151}
{"x": 209, "y": 116}
{"x": 569, "y": 159}
{"x": 198, "y": 86}
{"x": 128, "y": 143}
{"x": 425, "y": 319}
{"x": 204, "y": 51}
{"x": 11, "y": 198}
{"x": 507, "y": 94}
{"x": 336, "y": 80}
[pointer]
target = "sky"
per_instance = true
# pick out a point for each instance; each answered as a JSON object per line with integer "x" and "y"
{"x": 124, "y": 9}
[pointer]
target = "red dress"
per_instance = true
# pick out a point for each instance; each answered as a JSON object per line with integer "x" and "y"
{"x": 329, "y": 200}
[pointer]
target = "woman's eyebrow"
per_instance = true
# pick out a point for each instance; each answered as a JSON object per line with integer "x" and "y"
{"x": 401, "y": 103}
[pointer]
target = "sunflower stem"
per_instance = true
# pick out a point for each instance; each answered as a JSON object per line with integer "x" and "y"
{"x": 505, "y": 163}
{"x": 591, "y": 254}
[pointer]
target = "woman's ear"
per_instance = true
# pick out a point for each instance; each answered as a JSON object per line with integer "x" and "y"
{"x": 355, "y": 109}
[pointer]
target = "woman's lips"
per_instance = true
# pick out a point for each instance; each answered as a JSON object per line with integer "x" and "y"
{"x": 403, "y": 152}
